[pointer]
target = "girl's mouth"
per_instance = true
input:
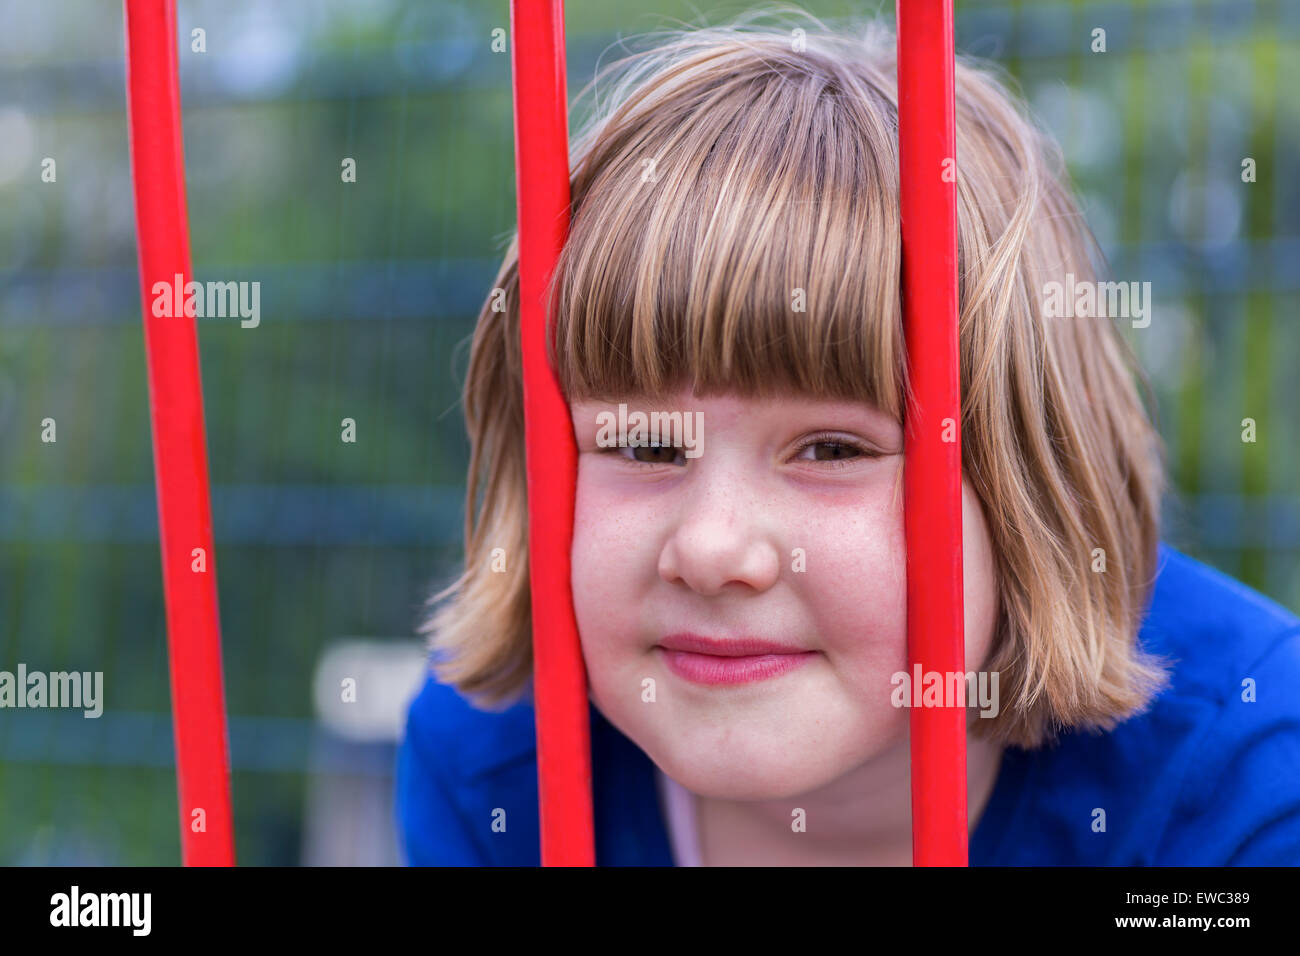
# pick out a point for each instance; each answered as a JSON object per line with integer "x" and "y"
{"x": 708, "y": 669}
{"x": 711, "y": 661}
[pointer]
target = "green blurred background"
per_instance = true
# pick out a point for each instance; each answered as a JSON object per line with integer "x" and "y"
{"x": 326, "y": 550}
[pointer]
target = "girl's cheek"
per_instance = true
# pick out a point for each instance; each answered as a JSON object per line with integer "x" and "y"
{"x": 607, "y": 551}
{"x": 980, "y": 588}
{"x": 856, "y": 585}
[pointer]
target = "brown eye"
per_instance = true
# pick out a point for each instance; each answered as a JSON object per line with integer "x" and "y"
{"x": 651, "y": 454}
{"x": 834, "y": 450}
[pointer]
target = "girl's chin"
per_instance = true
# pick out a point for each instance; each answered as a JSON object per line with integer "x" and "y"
{"x": 755, "y": 768}
{"x": 750, "y": 779}
{"x": 721, "y": 787}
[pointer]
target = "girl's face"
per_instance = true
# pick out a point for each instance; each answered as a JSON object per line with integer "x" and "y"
{"x": 788, "y": 528}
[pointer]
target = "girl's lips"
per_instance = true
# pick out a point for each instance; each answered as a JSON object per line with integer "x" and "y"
{"x": 712, "y": 669}
{"x": 726, "y": 647}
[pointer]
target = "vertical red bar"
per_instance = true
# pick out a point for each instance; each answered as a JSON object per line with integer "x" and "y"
{"x": 559, "y": 677}
{"x": 179, "y": 446}
{"x": 932, "y": 482}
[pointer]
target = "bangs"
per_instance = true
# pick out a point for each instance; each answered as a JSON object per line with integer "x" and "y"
{"x": 735, "y": 229}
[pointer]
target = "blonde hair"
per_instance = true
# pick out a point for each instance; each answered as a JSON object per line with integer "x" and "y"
{"x": 733, "y": 165}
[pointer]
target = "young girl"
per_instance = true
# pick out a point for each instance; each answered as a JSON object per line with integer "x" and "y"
{"x": 734, "y": 259}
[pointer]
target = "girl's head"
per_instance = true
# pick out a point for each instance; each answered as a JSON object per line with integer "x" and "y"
{"x": 735, "y": 251}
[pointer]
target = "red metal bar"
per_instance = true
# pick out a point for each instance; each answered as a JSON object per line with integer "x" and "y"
{"x": 927, "y": 148}
{"x": 560, "y": 678}
{"x": 179, "y": 445}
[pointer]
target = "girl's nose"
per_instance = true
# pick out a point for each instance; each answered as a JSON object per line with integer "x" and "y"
{"x": 718, "y": 540}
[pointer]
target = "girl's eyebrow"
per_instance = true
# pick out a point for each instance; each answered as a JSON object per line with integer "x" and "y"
{"x": 801, "y": 407}
{"x": 858, "y": 410}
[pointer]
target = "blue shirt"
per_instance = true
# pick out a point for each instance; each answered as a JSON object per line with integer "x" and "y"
{"x": 1202, "y": 777}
